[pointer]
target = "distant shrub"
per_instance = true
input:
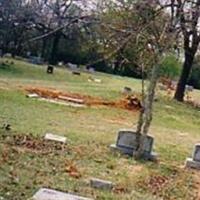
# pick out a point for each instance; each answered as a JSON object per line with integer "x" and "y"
{"x": 194, "y": 79}
{"x": 170, "y": 67}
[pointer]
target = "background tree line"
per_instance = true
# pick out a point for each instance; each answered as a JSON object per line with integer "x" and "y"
{"x": 100, "y": 34}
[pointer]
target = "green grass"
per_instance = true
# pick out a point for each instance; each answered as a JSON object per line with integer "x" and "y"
{"x": 89, "y": 131}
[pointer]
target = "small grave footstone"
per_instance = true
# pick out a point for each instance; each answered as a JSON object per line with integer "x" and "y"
{"x": 56, "y": 138}
{"x": 101, "y": 184}
{"x": 50, "y": 69}
{"x": 76, "y": 73}
{"x": 97, "y": 80}
{"x": 49, "y": 194}
{"x": 34, "y": 95}
{"x": 127, "y": 90}
{"x": 194, "y": 162}
{"x": 127, "y": 144}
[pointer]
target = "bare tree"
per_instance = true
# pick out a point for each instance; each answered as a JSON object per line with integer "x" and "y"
{"x": 146, "y": 27}
{"x": 185, "y": 19}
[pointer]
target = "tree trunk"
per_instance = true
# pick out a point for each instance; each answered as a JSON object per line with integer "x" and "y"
{"x": 43, "y": 50}
{"x": 146, "y": 114}
{"x": 187, "y": 66}
{"x": 53, "y": 54}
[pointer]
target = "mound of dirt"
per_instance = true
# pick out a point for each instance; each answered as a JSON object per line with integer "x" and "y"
{"x": 128, "y": 102}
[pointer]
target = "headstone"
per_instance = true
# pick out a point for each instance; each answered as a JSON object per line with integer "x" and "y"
{"x": 35, "y": 60}
{"x": 127, "y": 144}
{"x": 101, "y": 184}
{"x": 97, "y": 80}
{"x": 194, "y": 162}
{"x": 76, "y": 73}
{"x": 60, "y": 64}
{"x": 127, "y": 90}
{"x": 50, "y": 69}
{"x": 56, "y": 138}
{"x": 72, "y": 66}
{"x": 91, "y": 70}
{"x": 189, "y": 88}
{"x": 196, "y": 154}
{"x": 8, "y": 55}
{"x": 49, "y": 194}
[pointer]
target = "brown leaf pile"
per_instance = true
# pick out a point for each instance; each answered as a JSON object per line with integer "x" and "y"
{"x": 34, "y": 144}
{"x": 72, "y": 171}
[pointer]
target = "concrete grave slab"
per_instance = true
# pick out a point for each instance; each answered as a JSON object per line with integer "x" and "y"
{"x": 33, "y": 95}
{"x": 194, "y": 162}
{"x": 71, "y": 104}
{"x": 190, "y": 163}
{"x": 101, "y": 184}
{"x": 49, "y": 194}
{"x": 74, "y": 100}
{"x": 56, "y": 138}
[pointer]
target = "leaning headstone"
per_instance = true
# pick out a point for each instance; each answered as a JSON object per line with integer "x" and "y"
{"x": 56, "y": 138}
{"x": 49, "y": 194}
{"x": 127, "y": 143}
{"x": 50, "y": 69}
{"x": 127, "y": 90}
{"x": 194, "y": 162}
{"x": 101, "y": 184}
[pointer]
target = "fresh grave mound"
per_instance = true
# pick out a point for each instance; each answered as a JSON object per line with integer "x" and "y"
{"x": 129, "y": 102}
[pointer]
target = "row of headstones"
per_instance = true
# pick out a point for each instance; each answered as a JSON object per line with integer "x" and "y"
{"x": 126, "y": 144}
{"x": 75, "y": 71}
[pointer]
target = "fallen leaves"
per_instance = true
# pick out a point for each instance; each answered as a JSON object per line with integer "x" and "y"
{"x": 29, "y": 142}
{"x": 72, "y": 170}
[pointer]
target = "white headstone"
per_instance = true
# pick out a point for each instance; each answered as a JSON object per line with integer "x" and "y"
{"x": 56, "y": 138}
{"x": 48, "y": 194}
{"x": 34, "y": 95}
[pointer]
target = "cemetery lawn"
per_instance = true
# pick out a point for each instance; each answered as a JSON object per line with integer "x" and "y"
{"x": 27, "y": 163}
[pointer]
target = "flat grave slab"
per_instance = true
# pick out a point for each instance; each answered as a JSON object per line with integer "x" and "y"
{"x": 56, "y": 138}
{"x": 101, "y": 184}
{"x": 33, "y": 95}
{"x": 49, "y": 194}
